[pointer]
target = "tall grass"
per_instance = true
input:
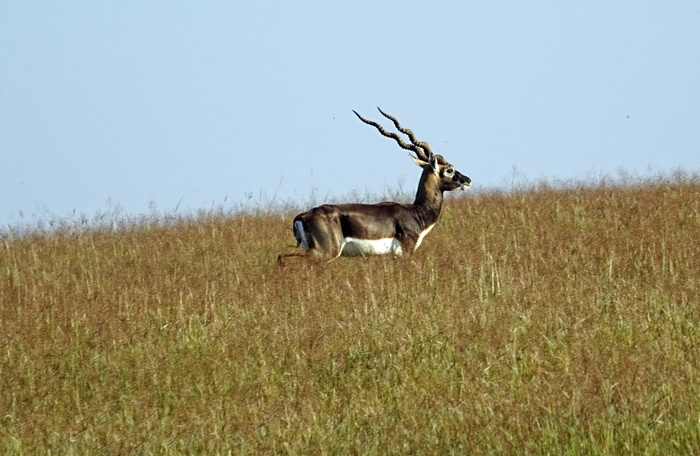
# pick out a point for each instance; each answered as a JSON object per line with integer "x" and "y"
{"x": 546, "y": 320}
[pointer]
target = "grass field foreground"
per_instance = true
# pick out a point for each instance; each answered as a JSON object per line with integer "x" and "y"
{"x": 539, "y": 321}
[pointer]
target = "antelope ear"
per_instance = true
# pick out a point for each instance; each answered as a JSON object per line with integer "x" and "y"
{"x": 433, "y": 161}
{"x": 418, "y": 161}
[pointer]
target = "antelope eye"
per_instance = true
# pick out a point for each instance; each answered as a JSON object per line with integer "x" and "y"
{"x": 449, "y": 171}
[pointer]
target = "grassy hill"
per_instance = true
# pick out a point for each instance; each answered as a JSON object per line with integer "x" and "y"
{"x": 544, "y": 320}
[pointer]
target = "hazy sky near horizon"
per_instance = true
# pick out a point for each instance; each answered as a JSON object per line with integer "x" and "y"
{"x": 192, "y": 105}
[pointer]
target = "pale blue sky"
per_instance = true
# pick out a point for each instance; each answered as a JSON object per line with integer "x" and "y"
{"x": 140, "y": 103}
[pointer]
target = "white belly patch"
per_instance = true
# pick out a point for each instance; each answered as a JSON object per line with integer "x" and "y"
{"x": 354, "y": 247}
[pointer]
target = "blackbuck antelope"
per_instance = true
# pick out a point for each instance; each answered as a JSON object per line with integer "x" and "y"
{"x": 332, "y": 230}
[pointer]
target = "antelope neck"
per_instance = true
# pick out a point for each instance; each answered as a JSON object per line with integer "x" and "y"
{"x": 428, "y": 202}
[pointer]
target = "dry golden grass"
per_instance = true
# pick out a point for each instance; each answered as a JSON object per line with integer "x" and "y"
{"x": 541, "y": 321}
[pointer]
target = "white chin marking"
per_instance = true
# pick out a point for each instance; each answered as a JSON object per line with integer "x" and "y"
{"x": 355, "y": 247}
{"x": 299, "y": 228}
